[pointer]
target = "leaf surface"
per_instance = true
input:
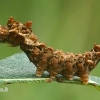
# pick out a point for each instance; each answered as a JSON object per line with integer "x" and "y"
{"x": 18, "y": 69}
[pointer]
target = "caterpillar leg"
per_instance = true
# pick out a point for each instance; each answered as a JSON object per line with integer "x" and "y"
{"x": 84, "y": 77}
{"x": 41, "y": 67}
{"x": 68, "y": 72}
{"x": 53, "y": 75}
{"x": 39, "y": 71}
{"x": 68, "y": 75}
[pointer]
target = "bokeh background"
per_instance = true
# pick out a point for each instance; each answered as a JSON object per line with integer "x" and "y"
{"x": 70, "y": 25}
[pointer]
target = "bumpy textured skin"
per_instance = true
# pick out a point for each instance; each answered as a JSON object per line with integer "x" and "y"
{"x": 46, "y": 58}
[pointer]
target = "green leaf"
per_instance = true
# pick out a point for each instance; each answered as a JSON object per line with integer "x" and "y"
{"x": 18, "y": 69}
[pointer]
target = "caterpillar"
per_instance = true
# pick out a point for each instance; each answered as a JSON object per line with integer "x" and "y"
{"x": 46, "y": 58}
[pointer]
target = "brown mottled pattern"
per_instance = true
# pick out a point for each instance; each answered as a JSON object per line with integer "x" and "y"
{"x": 46, "y": 58}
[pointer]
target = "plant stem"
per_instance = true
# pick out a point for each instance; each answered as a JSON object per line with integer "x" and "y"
{"x": 25, "y": 80}
{"x": 93, "y": 81}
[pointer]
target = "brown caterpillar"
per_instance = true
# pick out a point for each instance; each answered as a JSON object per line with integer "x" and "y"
{"x": 46, "y": 58}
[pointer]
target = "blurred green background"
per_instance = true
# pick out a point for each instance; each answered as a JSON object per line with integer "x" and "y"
{"x": 70, "y": 25}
